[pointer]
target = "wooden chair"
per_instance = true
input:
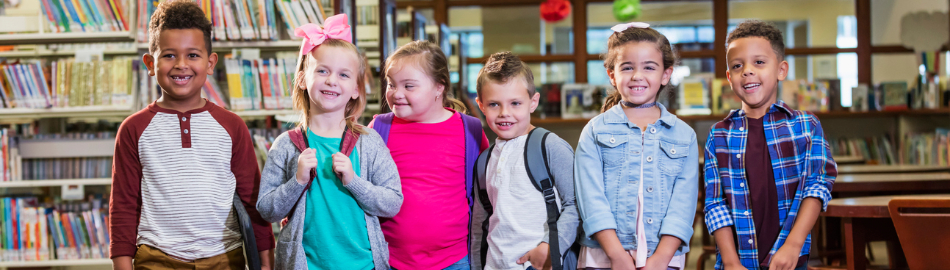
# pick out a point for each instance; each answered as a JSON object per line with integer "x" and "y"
{"x": 921, "y": 226}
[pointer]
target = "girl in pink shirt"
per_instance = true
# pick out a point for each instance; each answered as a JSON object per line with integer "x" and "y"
{"x": 435, "y": 146}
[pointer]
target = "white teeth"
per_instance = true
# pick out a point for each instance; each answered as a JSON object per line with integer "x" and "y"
{"x": 638, "y": 88}
{"x": 181, "y": 78}
{"x": 751, "y": 85}
{"x": 329, "y": 93}
{"x": 505, "y": 124}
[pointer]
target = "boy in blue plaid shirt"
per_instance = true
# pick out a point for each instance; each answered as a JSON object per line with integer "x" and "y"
{"x": 768, "y": 170}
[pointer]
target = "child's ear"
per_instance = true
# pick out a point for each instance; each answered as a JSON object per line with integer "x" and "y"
{"x": 149, "y": 61}
{"x": 535, "y": 99}
{"x": 610, "y": 74}
{"x": 479, "y": 102}
{"x": 212, "y": 61}
{"x": 782, "y": 70}
{"x": 666, "y": 75}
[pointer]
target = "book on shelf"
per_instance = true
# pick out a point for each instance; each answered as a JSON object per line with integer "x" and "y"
{"x": 932, "y": 148}
{"x": 42, "y": 231}
{"x": 255, "y": 84}
{"x": 67, "y": 83}
{"x": 67, "y": 16}
{"x": 893, "y": 95}
{"x": 244, "y": 19}
{"x": 807, "y": 95}
{"x": 694, "y": 95}
{"x": 582, "y": 100}
{"x": 874, "y": 150}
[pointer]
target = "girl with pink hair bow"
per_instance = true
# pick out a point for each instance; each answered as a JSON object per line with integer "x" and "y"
{"x": 330, "y": 179}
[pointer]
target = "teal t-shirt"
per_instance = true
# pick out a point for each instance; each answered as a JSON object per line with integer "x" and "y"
{"x": 335, "y": 234}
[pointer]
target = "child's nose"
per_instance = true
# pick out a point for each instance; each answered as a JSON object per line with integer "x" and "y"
{"x": 331, "y": 80}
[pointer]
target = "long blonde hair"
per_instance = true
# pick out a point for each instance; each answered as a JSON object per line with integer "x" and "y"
{"x": 434, "y": 64}
{"x": 354, "y": 107}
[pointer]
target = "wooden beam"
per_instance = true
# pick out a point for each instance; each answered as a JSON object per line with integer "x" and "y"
{"x": 699, "y": 54}
{"x": 862, "y": 12}
{"x": 493, "y": 3}
{"x": 441, "y": 12}
{"x": 580, "y": 41}
{"x": 415, "y": 4}
{"x": 721, "y": 29}
{"x": 891, "y": 49}
{"x": 818, "y": 50}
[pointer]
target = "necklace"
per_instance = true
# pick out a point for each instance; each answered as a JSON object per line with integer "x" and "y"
{"x": 635, "y": 106}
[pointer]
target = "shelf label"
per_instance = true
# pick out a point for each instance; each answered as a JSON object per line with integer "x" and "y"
{"x": 88, "y": 55}
{"x": 72, "y": 192}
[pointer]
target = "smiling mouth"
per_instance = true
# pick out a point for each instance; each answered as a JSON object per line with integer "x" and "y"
{"x": 638, "y": 88}
{"x": 179, "y": 79}
{"x": 330, "y": 93}
{"x": 505, "y": 124}
{"x": 751, "y": 86}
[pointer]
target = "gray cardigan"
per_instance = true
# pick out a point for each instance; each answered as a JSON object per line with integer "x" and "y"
{"x": 378, "y": 191}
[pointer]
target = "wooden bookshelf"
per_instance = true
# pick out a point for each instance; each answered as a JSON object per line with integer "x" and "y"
{"x": 79, "y": 37}
{"x": 820, "y": 115}
{"x": 25, "y": 115}
{"x": 45, "y": 52}
{"x": 57, "y": 182}
{"x": 264, "y": 45}
{"x": 55, "y": 263}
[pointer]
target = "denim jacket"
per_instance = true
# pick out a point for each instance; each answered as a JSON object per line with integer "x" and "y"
{"x": 611, "y": 155}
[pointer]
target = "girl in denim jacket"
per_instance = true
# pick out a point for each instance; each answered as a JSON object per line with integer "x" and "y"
{"x": 636, "y": 164}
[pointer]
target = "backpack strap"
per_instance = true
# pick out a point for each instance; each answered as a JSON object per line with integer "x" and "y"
{"x": 481, "y": 171}
{"x": 299, "y": 137}
{"x": 382, "y": 123}
{"x": 247, "y": 232}
{"x": 473, "y": 139}
{"x": 536, "y": 164}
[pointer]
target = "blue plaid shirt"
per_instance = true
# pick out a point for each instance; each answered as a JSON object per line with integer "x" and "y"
{"x": 799, "y": 154}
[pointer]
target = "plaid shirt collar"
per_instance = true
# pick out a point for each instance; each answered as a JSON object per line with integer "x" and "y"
{"x": 777, "y": 106}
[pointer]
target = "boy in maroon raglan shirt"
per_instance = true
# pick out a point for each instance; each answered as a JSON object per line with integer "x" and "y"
{"x": 179, "y": 161}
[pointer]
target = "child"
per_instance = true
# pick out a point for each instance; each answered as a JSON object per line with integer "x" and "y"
{"x": 517, "y": 231}
{"x": 636, "y": 164}
{"x": 179, "y": 161}
{"x": 333, "y": 215}
{"x": 765, "y": 160}
{"x": 435, "y": 146}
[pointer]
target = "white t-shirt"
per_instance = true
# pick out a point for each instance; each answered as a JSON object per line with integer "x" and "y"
{"x": 518, "y": 222}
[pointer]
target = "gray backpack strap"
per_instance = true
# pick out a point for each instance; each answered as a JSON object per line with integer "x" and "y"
{"x": 480, "y": 171}
{"x": 536, "y": 163}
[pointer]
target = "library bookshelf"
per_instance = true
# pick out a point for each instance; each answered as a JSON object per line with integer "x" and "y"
{"x": 55, "y": 263}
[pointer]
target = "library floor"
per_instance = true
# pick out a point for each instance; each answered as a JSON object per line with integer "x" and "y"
{"x": 879, "y": 249}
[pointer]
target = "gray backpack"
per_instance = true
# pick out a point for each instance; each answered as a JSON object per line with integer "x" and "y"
{"x": 536, "y": 164}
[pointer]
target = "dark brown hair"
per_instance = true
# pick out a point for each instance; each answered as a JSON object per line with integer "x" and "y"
{"x": 504, "y": 66}
{"x": 434, "y": 64}
{"x": 756, "y": 28}
{"x": 354, "y": 107}
{"x": 182, "y": 14}
{"x": 633, "y": 34}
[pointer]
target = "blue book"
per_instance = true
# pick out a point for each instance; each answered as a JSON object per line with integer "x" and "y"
{"x": 24, "y": 98}
{"x": 74, "y": 15}
{"x": 90, "y": 16}
{"x": 61, "y": 16}
{"x": 8, "y": 222}
{"x": 30, "y": 84}
{"x": 271, "y": 21}
{"x": 42, "y": 86}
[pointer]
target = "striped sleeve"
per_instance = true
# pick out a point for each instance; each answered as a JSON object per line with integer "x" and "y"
{"x": 125, "y": 201}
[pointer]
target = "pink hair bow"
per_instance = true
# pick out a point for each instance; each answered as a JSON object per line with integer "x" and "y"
{"x": 623, "y": 26}
{"x": 313, "y": 35}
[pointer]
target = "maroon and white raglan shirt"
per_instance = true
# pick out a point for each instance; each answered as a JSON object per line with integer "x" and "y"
{"x": 174, "y": 175}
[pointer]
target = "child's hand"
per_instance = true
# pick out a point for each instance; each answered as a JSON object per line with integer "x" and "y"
{"x": 622, "y": 261}
{"x": 786, "y": 258}
{"x": 305, "y": 162}
{"x": 538, "y": 257}
{"x": 655, "y": 263}
{"x": 343, "y": 168}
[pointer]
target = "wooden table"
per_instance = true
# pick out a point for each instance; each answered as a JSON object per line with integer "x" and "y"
{"x": 841, "y": 160}
{"x": 863, "y": 168}
{"x": 892, "y": 182}
{"x": 866, "y": 219}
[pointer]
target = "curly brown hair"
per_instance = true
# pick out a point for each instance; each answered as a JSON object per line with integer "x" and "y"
{"x": 756, "y": 28}
{"x": 633, "y": 34}
{"x": 181, "y": 14}
{"x": 504, "y": 66}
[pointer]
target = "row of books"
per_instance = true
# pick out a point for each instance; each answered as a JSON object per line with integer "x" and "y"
{"x": 245, "y": 19}
{"x": 927, "y": 148}
{"x": 67, "y": 168}
{"x": 255, "y": 84}
{"x": 64, "y": 16}
{"x": 896, "y": 96}
{"x": 67, "y": 83}
{"x": 875, "y": 150}
{"x": 34, "y": 231}
{"x": 10, "y": 156}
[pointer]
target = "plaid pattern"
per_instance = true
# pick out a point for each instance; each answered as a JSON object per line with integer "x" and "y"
{"x": 799, "y": 154}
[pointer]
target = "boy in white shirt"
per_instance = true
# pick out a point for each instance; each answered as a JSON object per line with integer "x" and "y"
{"x": 517, "y": 235}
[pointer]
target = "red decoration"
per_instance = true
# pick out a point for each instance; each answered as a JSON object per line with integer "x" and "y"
{"x": 555, "y": 10}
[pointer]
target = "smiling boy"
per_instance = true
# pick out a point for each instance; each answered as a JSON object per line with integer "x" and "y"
{"x": 179, "y": 161}
{"x": 768, "y": 169}
{"x": 518, "y": 235}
